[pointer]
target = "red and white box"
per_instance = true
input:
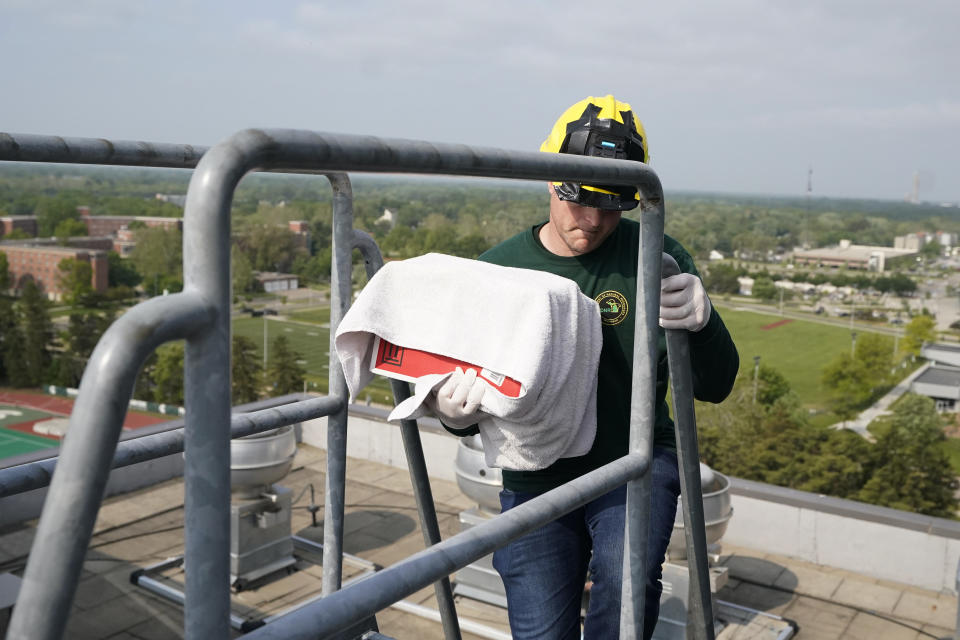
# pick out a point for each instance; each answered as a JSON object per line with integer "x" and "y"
{"x": 404, "y": 363}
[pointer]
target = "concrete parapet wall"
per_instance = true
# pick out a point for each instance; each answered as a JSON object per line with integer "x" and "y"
{"x": 27, "y": 506}
{"x": 875, "y": 541}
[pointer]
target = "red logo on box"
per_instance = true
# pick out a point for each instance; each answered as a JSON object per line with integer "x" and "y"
{"x": 404, "y": 363}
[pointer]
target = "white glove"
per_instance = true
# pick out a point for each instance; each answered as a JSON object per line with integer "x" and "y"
{"x": 683, "y": 303}
{"x": 457, "y": 401}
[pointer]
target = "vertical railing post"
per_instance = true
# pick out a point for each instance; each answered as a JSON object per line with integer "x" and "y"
{"x": 642, "y": 415}
{"x": 341, "y": 270}
{"x": 206, "y": 269}
{"x": 688, "y": 456}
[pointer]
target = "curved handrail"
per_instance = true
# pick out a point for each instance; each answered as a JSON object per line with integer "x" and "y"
{"x": 70, "y": 510}
{"x": 207, "y": 279}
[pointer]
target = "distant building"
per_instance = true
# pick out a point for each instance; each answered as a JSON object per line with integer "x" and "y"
{"x": 746, "y": 285}
{"x": 716, "y": 255}
{"x": 110, "y": 225}
{"x": 103, "y": 243}
{"x": 301, "y": 229}
{"x": 27, "y": 224}
{"x": 389, "y": 218}
{"x": 41, "y": 264}
{"x": 852, "y": 256}
{"x": 941, "y": 380}
{"x": 273, "y": 282}
{"x": 911, "y": 241}
{"x": 125, "y": 241}
{"x": 179, "y": 200}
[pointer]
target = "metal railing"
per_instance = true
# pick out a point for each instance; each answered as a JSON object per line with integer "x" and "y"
{"x": 200, "y": 314}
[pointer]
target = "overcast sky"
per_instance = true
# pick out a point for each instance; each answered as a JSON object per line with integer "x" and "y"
{"x": 736, "y": 96}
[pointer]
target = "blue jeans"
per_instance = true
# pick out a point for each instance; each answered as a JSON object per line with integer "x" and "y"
{"x": 544, "y": 571}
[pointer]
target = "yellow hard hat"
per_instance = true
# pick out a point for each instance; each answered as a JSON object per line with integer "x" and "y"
{"x": 605, "y": 128}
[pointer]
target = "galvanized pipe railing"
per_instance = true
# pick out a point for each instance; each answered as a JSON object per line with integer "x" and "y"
{"x": 389, "y": 585}
{"x": 206, "y": 259}
{"x": 222, "y": 167}
{"x": 688, "y": 457}
{"x": 341, "y": 273}
{"x": 25, "y": 147}
{"x": 70, "y": 510}
{"x": 36, "y": 475}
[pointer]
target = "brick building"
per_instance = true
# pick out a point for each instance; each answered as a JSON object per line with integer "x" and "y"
{"x": 27, "y": 224}
{"x": 110, "y": 225}
{"x": 301, "y": 229}
{"x": 40, "y": 263}
{"x": 104, "y": 243}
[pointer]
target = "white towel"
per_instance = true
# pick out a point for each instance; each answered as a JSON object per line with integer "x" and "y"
{"x": 535, "y": 327}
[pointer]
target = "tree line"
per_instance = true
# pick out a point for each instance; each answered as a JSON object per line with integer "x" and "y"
{"x": 762, "y": 433}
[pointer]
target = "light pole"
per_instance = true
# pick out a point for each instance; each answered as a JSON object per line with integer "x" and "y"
{"x": 853, "y": 343}
{"x": 264, "y": 342}
{"x": 756, "y": 372}
{"x": 896, "y": 347}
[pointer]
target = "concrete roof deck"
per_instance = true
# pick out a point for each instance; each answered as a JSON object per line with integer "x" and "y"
{"x": 144, "y": 527}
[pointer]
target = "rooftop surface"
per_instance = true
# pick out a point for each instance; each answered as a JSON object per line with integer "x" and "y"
{"x": 138, "y": 529}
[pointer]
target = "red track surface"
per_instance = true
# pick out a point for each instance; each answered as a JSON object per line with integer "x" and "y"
{"x": 63, "y": 406}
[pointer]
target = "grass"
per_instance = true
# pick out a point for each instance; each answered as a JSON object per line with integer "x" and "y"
{"x": 312, "y": 343}
{"x": 320, "y": 315}
{"x": 798, "y": 349}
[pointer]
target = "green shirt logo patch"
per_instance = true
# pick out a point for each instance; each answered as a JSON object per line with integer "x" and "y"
{"x": 613, "y": 307}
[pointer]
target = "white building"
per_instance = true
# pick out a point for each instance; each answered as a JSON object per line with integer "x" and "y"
{"x": 273, "y": 282}
{"x": 941, "y": 380}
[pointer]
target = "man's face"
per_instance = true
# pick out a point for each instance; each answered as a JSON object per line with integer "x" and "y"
{"x": 574, "y": 229}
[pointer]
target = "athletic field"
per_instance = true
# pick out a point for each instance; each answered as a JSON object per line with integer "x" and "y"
{"x": 16, "y": 430}
{"x": 30, "y": 421}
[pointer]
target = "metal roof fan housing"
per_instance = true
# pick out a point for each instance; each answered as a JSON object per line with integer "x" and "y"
{"x": 260, "y": 532}
{"x": 717, "y": 512}
{"x": 675, "y": 600}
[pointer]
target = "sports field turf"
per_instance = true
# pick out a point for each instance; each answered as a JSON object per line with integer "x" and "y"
{"x": 799, "y": 349}
{"x": 13, "y": 442}
{"x": 311, "y": 342}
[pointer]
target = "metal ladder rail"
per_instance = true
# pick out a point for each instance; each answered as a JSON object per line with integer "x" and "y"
{"x": 223, "y": 166}
{"x": 417, "y": 464}
{"x": 688, "y": 457}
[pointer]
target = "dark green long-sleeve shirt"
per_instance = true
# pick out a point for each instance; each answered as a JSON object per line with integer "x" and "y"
{"x": 608, "y": 275}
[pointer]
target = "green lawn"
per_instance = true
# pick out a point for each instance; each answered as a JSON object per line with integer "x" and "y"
{"x": 798, "y": 349}
{"x": 312, "y": 343}
{"x": 320, "y": 315}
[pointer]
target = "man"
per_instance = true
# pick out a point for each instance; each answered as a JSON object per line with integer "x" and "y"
{"x": 586, "y": 239}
